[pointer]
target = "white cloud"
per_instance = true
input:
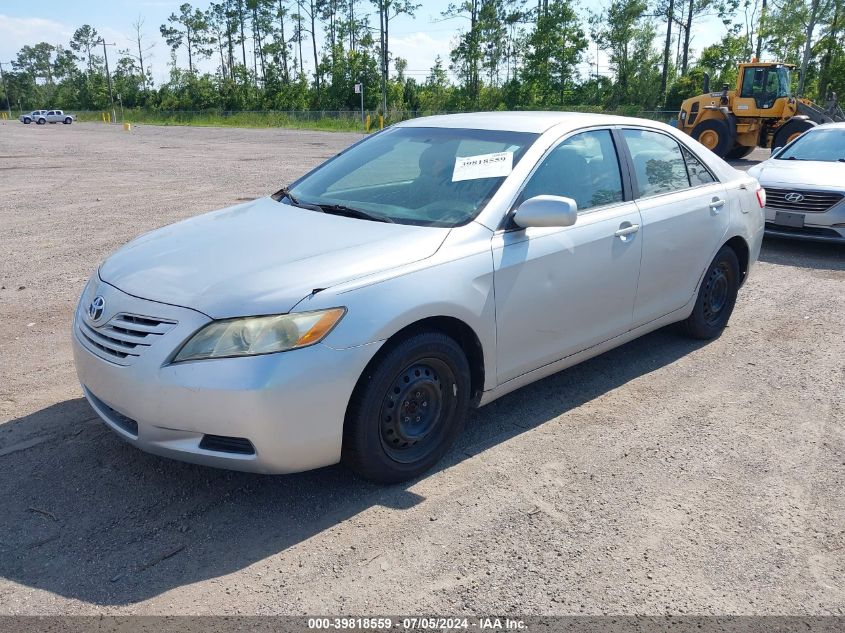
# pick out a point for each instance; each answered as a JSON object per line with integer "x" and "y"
{"x": 421, "y": 50}
{"x": 18, "y": 32}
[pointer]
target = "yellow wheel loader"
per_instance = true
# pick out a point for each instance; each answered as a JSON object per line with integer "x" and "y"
{"x": 760, "y": 112}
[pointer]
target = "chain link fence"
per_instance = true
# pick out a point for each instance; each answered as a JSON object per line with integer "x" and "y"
{"x": 341, "y": 120}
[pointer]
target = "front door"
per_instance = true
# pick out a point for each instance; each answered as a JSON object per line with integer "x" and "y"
{"x": 562, "y": 290}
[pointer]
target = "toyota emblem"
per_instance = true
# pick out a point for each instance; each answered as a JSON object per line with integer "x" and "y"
{"x": 793, "y": 197}
{"x": 95, "y": 310}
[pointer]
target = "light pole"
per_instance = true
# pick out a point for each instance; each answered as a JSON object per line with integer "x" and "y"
{"x": 6, "y": 92}
{"x": 108, "y": 77}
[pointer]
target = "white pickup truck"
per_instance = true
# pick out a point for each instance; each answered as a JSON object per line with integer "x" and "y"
{"x": 50, "y": 116}
{"x": 32, "y": 116}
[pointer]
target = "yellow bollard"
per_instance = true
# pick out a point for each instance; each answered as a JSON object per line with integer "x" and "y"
{"x": 108, "y": 117}
{"x": 367, "y": 126}
{"x": 127, "y": 127}
{"x": 380, "y": 122}
{"x": 103, "y": 116}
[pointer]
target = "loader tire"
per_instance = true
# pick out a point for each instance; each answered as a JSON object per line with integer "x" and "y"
{"x": 715, "y": 135}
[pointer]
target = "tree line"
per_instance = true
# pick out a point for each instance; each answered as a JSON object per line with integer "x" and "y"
{"x": 506, "y": 54}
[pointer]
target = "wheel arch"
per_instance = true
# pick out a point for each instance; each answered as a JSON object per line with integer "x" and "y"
{"x": 743, "y": 253}
{"x": 453, "y": 327}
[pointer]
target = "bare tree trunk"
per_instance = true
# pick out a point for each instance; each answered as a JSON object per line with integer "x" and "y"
{"x": 664, "y": 77}
{"x": 243, "y": 38}
{"x": 284, "y": 43}
{"x": 190, "y": 46}
{"x": 808, "y": 41}
{"x": 314, "y": 47}
{"x": 138, "y": 37}
{"x": 761, "y": 25}
{"x": 230, "y": 47}
{"x": 299, "y": 36}
{"x": 383, "y": 54}
{"x": 833, "y": 34}
{"x": 687, "y": 36}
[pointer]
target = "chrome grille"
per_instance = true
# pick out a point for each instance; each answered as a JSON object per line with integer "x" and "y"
{"x": 124, "y": 337}
{"x": 813, "y": 202}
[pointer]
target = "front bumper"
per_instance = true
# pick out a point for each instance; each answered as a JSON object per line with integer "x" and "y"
{"x": 828, "y": 226}
{"x": 290, "y": 406}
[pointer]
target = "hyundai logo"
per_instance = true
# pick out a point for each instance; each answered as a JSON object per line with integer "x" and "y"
{"x": 793, "y": 197}
{"x": 95, "y": 309}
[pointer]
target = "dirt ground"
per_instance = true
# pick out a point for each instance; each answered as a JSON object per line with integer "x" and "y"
{"x": 664, "y": 476}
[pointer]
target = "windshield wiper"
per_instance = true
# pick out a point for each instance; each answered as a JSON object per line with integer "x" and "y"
{"x": 284, "y": 192}
{"x": 339, "y": 209}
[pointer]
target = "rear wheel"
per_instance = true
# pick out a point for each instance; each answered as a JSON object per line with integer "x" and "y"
{"x": 716, "y": 297}
{"x": 41, "y": 121}
{"x": 407, "y": 409}
{"x": 790, "y": 131}
{"x": 740, "y": 151}
{"x": 715, "y": 135}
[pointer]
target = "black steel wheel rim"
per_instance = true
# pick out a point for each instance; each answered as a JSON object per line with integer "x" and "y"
{"x": 716, "y": 293}
{"x": 416, "y": 410}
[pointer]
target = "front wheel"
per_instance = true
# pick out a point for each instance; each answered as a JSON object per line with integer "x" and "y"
{"x": 715, "y": 135}
{"x": 408, "y": 408}
{"x": 41, "y": 121}
{"x": 716, "y": 297}
{"x": 68, "y": 121}
{"x": 27, "y": 121}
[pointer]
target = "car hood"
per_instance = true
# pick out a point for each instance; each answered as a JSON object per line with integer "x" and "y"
{"x": 822, "y": 174}
{"x": 261, "y": 257}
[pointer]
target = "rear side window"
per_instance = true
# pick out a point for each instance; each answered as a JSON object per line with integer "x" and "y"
{"x": 659, "y": 165}
{"x": 698, "y": 173}
{"x": 584, "y": 167}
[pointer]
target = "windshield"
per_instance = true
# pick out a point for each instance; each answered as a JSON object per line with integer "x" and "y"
{"x": 423, "y": 176}
{"x": 819, "y": 144}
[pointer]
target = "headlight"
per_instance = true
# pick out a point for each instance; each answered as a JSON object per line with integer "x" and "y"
{"x": 260, "y": 335}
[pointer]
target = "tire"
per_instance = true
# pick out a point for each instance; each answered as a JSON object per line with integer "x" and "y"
{"x": 41, "y": 121}
{"x": 715, "y": 135}
{"x": 67, "y": 121}
{"x": 738, "y": 152}
{"x": 791, "y": 130}
{"x": 27, "y": 121}
{"x": 716, "y": 297}
{"x": 426, "y": 377}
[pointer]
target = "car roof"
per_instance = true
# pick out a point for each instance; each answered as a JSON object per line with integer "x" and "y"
{"x": 840, "y": 125}
{"x": 537, "y": 122}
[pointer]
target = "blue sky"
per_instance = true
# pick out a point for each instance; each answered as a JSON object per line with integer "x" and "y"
{"x": 419, "y": 39}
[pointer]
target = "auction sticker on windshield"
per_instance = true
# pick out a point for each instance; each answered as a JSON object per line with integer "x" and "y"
{"x": 482, "y": 166}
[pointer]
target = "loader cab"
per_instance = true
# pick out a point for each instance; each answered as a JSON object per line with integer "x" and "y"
{"x": 761, "y": 86}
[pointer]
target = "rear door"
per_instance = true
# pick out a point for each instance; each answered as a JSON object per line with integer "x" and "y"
{"x": 685, "y": 217}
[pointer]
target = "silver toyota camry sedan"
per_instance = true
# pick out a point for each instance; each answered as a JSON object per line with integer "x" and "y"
{"x": 358, "y": 313}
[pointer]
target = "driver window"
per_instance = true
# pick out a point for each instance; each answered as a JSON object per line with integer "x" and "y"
{"x": 584, "y": 167}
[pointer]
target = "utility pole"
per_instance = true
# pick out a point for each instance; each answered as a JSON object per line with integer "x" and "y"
{"x": 6, "y": 92}
{"x": 108, "y": 77}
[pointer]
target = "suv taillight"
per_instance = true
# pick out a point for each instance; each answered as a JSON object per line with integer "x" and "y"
{"x": 761, "y": 197}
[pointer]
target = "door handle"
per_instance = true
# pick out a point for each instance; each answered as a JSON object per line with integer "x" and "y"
{"x": 716, "y": 204}
{"x": 627, "y": 230}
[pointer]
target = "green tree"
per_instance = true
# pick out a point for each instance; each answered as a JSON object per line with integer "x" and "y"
{"x": 189, "y": 28}
{"x": 553, "y": 50}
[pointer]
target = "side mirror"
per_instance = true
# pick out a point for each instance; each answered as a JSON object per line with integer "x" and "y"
{"x": 546, "y": 211}
{"x": 776, "y": 150}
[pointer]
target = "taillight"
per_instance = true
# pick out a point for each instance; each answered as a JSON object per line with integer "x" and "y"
{"x": 761, "y": 197}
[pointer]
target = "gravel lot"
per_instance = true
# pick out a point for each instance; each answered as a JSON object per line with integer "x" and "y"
{"x": 664, "y": 476}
